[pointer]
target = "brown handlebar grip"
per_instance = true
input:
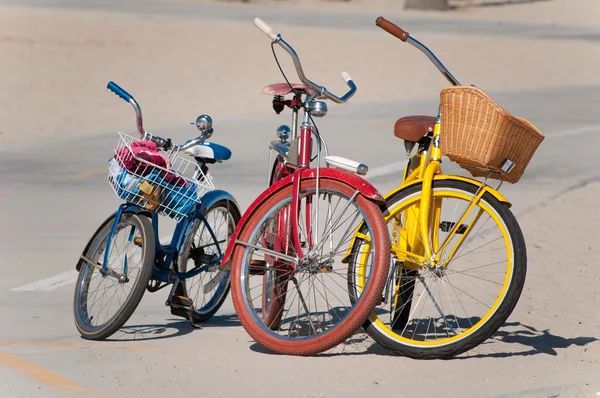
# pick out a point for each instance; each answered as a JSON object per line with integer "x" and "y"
{"x": 391, "y": 28}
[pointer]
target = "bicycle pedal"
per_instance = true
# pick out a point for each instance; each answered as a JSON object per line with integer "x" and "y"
{"x": 182, "y": 302}
{"x": 446, "y": 226}
{"x": 258, "y": 267}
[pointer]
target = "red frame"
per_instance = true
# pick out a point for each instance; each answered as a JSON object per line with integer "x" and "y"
{"x": 281, "y": 176}
{"x": 363, "y": 186}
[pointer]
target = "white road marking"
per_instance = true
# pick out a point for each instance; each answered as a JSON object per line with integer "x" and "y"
{"x": 397, "y": 167}
{"x": 48, "y": 284}
{"x": 63, "y": 279}
{"x": 577, "y": 131}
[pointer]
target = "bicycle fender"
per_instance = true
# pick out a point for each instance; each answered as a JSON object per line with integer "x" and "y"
{"x": 212, "y": 197}
{"x": 365, "y": 188}
{"x": 358, "y": 183}
{"x": 501, "y": 198}
{"x": 128, "y": 208}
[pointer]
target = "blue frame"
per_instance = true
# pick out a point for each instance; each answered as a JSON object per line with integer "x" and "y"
{"x": 161, "y": 272}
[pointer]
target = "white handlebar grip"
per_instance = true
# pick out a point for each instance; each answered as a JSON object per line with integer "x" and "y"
{"x": 266, "y": 29}
{"x": 346, "y": 77}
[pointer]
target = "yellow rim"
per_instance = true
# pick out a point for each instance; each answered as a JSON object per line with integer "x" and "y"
{"x": 440, "y": 194}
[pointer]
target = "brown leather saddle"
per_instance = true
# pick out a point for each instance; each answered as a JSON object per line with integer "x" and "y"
{"x": 413, "y": 128}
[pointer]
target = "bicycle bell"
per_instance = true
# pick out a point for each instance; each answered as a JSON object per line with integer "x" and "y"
{"x": 283, "y": 133}
{"x": 204, "y": 123}
{"x": 318, "y": 108}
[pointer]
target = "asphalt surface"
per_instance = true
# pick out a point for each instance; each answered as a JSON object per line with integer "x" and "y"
{"x": 53, "y": 194}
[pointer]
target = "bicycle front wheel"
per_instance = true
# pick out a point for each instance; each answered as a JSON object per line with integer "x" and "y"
{"x": 302, "y": 306}
{"x": 107, "y": 294}
{"x": 444, "y": 309}
{"x": 208, "y": 290}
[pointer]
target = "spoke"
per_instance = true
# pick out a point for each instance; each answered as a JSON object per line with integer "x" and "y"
{"x": 334, "y": 224}
{"x": 473, "y": 237}
{"x": 412, "y": 313}
{"x": 346, "y": 234}
{"x": 483, "y": 279}
{"x": 479, "y": 247}
{"x": 460, "y": 301}
{"x": 467, "y": 294}
{"x": 450, "y": 301}
{"x": 324, "y": 296}
{"x": 435, "y": 303}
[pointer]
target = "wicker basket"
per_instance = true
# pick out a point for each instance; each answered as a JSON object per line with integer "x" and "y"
{"x": 480, "y": 135}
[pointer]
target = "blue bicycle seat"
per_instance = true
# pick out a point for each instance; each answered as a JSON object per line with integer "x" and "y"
{"x": 209, "y": 150}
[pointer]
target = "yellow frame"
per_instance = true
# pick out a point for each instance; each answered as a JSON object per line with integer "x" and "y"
{"x": 418, "y": 236}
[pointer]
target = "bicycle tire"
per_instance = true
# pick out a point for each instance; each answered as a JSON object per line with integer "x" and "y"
{"x": 393, "y": 337}
{"x": 353, "y": 316}
{"x": 95, "y": 252}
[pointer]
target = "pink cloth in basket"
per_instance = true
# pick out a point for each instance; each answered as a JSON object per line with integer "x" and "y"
{"x": 147, "y": 151}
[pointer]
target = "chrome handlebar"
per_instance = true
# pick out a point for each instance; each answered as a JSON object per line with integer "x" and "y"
{"x": 438, "y": 64}
{"x": 203, "y": 123}
{"x": 321, "y": 91}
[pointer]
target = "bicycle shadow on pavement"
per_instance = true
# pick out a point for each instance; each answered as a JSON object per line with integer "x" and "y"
{"x": 530, "y": 340}
{"x": 176, "y": 328}
{"x": 173, "y": 327}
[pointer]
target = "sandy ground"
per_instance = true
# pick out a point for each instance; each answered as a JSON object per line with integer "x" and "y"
{"x": 55, "y": 66}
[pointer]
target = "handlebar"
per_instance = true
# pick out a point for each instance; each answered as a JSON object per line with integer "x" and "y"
{"x": 403, "y": 35}
{"x": 160, "y": 142}
{"x": 321, "y": 91}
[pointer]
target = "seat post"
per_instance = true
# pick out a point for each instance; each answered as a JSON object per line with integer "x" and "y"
{"x": 294, "y": 124}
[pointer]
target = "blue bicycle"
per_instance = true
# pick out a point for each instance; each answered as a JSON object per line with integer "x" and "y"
{"x": 125, "y": 257}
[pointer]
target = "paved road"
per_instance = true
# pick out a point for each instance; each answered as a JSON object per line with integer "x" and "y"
{"x": 53, "y": 194}
{"x": 309, "y": 17}
{"x": 53, "y": 197}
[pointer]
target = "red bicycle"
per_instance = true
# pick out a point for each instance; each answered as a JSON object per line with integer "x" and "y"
{"x": 290, "y": 286}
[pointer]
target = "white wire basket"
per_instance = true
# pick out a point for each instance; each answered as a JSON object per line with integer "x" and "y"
{"x": 158, "y": 181}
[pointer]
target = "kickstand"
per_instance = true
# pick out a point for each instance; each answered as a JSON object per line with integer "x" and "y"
{"x": 192, "y": 323}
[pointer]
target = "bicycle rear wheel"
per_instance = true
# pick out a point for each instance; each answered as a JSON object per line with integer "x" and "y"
{"x": 104, "y": 301}
{"x": 208, "y": 290}
{"x": 303, "y": 307}
{"x": 444, "y": 310}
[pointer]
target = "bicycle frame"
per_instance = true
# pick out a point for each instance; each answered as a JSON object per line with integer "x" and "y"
{"x": 419, "y": 233}
{"x": 165, "y": 254}
{"x": 299, "y": 171}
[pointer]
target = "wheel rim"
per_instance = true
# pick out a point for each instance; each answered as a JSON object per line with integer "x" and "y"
{"x": 101, "y": 298}
{"x": 486, "y": 257}
{"x": 317, "y": 290}
{"x": 207, "y": 288}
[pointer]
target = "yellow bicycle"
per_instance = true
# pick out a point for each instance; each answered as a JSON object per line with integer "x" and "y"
{"x": 458, "y": 254}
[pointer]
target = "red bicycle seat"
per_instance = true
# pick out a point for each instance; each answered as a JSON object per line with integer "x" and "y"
{"x": 284, "y": 88}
